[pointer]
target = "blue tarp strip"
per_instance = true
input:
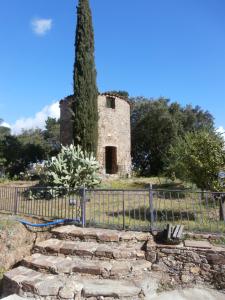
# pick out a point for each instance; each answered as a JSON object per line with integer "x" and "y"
{"x": 47, "y": 224}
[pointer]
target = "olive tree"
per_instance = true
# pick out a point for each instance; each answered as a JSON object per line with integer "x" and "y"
{"x": 199, "y": 157}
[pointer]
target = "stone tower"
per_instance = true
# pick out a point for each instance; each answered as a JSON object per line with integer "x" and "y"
{"x": 114, "y": 140}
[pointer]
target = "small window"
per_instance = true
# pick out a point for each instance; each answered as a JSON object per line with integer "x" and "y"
{"x": 110, "y": 102}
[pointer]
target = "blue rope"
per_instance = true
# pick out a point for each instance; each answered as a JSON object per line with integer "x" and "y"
{"x": 49, "y": 223}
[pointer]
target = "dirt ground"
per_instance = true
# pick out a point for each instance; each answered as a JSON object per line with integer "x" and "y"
{"x": 17, "y": 183}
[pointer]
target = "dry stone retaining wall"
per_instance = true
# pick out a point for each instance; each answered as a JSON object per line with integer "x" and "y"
{"x": 197, "y": 263}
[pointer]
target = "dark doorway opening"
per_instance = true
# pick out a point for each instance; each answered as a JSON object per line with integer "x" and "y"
{"x": 111, "y": 160}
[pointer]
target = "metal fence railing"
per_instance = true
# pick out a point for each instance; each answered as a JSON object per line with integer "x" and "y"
{"x": 42, "y": 202}
{"x": 124, "y": 209}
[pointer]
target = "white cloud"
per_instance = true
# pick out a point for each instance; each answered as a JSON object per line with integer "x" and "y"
{"x": 4, "y": 124}
{"x": 41, "y": 26}
{"x": 221, "y": 130}
{"x": 38, "y": 121}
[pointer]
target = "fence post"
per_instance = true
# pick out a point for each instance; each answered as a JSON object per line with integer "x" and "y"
{"x": 123, "y": 212}
{"x": 222, "y": 207}
{"x": 151, "y": 207}
{"x": 83, "y": 207}
{"x": 16, "y": 201}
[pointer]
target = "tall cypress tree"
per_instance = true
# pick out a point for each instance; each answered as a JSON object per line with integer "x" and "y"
{"x": 85, "y": 108}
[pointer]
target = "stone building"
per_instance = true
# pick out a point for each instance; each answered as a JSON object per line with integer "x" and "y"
{"x": 114, "y": 140}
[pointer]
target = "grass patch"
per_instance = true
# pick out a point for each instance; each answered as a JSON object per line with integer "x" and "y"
{"x": 6, "y": 224}
{"x": 132, "y": 210}
{"x": 16, "y": 183}
{"x": 2, "y": 271}
{"x": 125, "y": 203}
{"x": 219, "y": 241}
{"x": 143, "y": 183}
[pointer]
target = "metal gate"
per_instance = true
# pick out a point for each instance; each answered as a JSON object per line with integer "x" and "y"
{"x": 44, "y": 202}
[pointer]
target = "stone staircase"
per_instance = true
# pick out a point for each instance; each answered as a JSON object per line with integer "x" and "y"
{"x": 85, "y": 263}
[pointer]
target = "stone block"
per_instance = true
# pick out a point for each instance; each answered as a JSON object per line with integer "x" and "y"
{"x": 124, "y": 253}
{"x": 151, "y": 256}
{"x": 140, "y": 254}
{"x": 127, "y": 236}
{"x": 215, "y": 258}
{"x": 150, "y": 245}
{"x": 71, "y": 289}
{"x": 110, "y": 288}
{"x": 170, "y": 251}
{"x": 206, "y": 267}
{"x": 48, "y": 287}
{"x": 192, "y": 256}
{"x": 143, "y": 236}
{"x": 108, "y": 236}
{"x": 140, "y": 266}
{"x": 87, "y": 268}
{"x": 186, "y": 278}
{"x": 159, "y": 267}
{"x": 68, "y": 248}
{"x": 195, "y": 270}
{"x": 197, "y": 244}
{"x": 50, "y": 246}
{"x": 104, "y": 251}
{"x": 120, "y": 268}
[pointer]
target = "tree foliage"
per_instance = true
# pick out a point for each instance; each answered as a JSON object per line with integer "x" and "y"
{"x": 155, "y": 126}
{"x": 198, "y": 157}
{"x": 85, "y": 107}
{"x": 4, "y": 131}
{"x": 31, "y": 146}
{"x": 123, "y": 94}
{"x": 17, "y": 154}
{"x": 52, "y": 136}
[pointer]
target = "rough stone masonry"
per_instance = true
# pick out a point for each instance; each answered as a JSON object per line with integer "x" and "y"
{"x": 189, "y": 263}
{"x": 114, "y": 133}
{"x": 93, "y": 263}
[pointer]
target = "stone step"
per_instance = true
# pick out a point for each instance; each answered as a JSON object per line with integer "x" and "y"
{"x": 90, "y": 249}
{"x": 112, "y": 289}
{"x": 29, "y": 283}
{"x": 72, "y": 232}
{"x": 70, "y": 265}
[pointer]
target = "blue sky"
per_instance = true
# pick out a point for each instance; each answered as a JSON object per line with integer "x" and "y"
{"x": 152, "y": 48}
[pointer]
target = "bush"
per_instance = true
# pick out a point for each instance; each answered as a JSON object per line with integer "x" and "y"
{"x": 72, "y": 168}
{"x": 198, "y": 157}
{"x": 34, "y": 171}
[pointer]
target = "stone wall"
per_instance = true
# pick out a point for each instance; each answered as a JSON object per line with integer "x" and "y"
{"x": 114, "y": 130}
{"x": 199, "y": 263}
{"x": 113, "y": 127}
{"x": 16, "y": 242}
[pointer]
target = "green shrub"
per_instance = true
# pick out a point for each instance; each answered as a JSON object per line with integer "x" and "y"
{"x": 72, "y": 168}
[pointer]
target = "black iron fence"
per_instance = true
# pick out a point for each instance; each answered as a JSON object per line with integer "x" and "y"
{"x": 126, "y": 209}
